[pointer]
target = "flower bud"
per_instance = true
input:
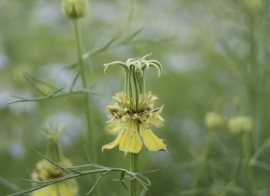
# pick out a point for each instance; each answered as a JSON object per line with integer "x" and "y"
{"x": 45, "y": 171}
{"x": 240, "y": 124}
{"x": 75, "y": 8}
{"x": 213, "y": 120}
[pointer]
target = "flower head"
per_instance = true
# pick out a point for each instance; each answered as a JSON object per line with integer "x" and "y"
{"x": 240, "y": 124}
{"x": 134, "y": 122}
{"x": 45, "y": 171}
{"x": 213, "y": 120}
{"x": 133, "y": 112}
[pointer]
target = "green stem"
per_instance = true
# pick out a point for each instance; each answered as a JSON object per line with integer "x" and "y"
{"x": 203, "y": 158}
{"x": 52, "y": 150}
{"x": 86, "y": 97}
{"x": 246, "y": 151}
{"x": 134, "y": 157}
{"x": 134, "y": 167}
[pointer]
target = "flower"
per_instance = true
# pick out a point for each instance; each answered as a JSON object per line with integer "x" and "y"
{"x": 240, "y": 124}
{"x": 133, "y": 120}
{"x": 45, "y": 171}
{"x": 213, "y": 120}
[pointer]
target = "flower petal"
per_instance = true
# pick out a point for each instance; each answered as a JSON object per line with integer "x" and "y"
{"x": 114, "y": 127}
{"x": 115, "y": 142}
{"x": 131, "y": 141}
{"x": 151, "y": 141}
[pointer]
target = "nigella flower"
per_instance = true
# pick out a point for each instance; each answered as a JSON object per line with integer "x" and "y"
{"x": 45, "y": 171}
{"x": 133, "y": 121}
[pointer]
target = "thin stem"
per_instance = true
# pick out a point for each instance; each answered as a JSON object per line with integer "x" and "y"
{"x": 134, "y": 167}
{"x": 86, "y": 97}
{"x": 203, "y": 158}
{"x": 246, "y": 151}
{"x": 134, "y": 157}
{"x": 260, "y": 150}
{"x": 51, "y": 96}
{"x": 53, "y": 150}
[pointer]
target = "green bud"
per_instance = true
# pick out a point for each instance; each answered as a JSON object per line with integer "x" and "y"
{"x": 75, "y": 8}
{"x": 52, "y": 134}
{"x": 240, "y": 124}
{"x": 213, "y": 120}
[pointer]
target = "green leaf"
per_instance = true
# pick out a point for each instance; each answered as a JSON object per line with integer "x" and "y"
{"x": 9, "y": 185}
{"x": 39, "y": 81}
{"x": 33, "y": 84}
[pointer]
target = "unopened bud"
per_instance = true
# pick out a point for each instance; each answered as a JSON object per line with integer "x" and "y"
{"x": 75, "y": 8}
{"x": 213, "y": 120}
{"x": 240, "y": 124}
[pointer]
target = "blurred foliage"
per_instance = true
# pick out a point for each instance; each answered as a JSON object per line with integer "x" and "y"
{"x": 208, "y": 49}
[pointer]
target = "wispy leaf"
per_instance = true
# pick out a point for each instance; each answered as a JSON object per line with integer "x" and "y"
{"x": 33, "y": 84}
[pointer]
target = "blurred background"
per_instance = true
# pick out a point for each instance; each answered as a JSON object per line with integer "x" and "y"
{"x": 208, "y": 49}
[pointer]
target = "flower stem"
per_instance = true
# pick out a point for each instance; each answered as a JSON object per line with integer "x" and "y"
{"x": 246, "y": 151}
{"x": 134, "y": 167}
{"x": 134, "y": 157}
{"x": 86, "y": 97}
{"x": 203, "y": 158}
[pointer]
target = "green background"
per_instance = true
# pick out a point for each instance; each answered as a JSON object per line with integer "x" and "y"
{"x": 208, "y": 49}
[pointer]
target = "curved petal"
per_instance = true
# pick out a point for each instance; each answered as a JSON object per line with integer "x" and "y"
{"x": 151, "y": 141}
{"x": 114, "y": 129}
{"x": 143, "y": 58}
{"x": 113, "y": 143}
{"x": 131, "y": 141}
{"x": 124, "y": 65}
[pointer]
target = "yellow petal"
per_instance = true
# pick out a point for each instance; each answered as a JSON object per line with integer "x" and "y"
{"x": 122, "y": 144}
{"x": 131, "y": 141}
{"x": 151, "y": 141}
{"x": 136, "y": 143}
{"x": 113, "y": 130}
{"x": 115, "y": 142}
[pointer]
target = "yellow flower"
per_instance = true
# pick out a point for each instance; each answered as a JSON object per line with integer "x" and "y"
{"x": 45, "y": 171}
{"x": 133, "y": 123}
